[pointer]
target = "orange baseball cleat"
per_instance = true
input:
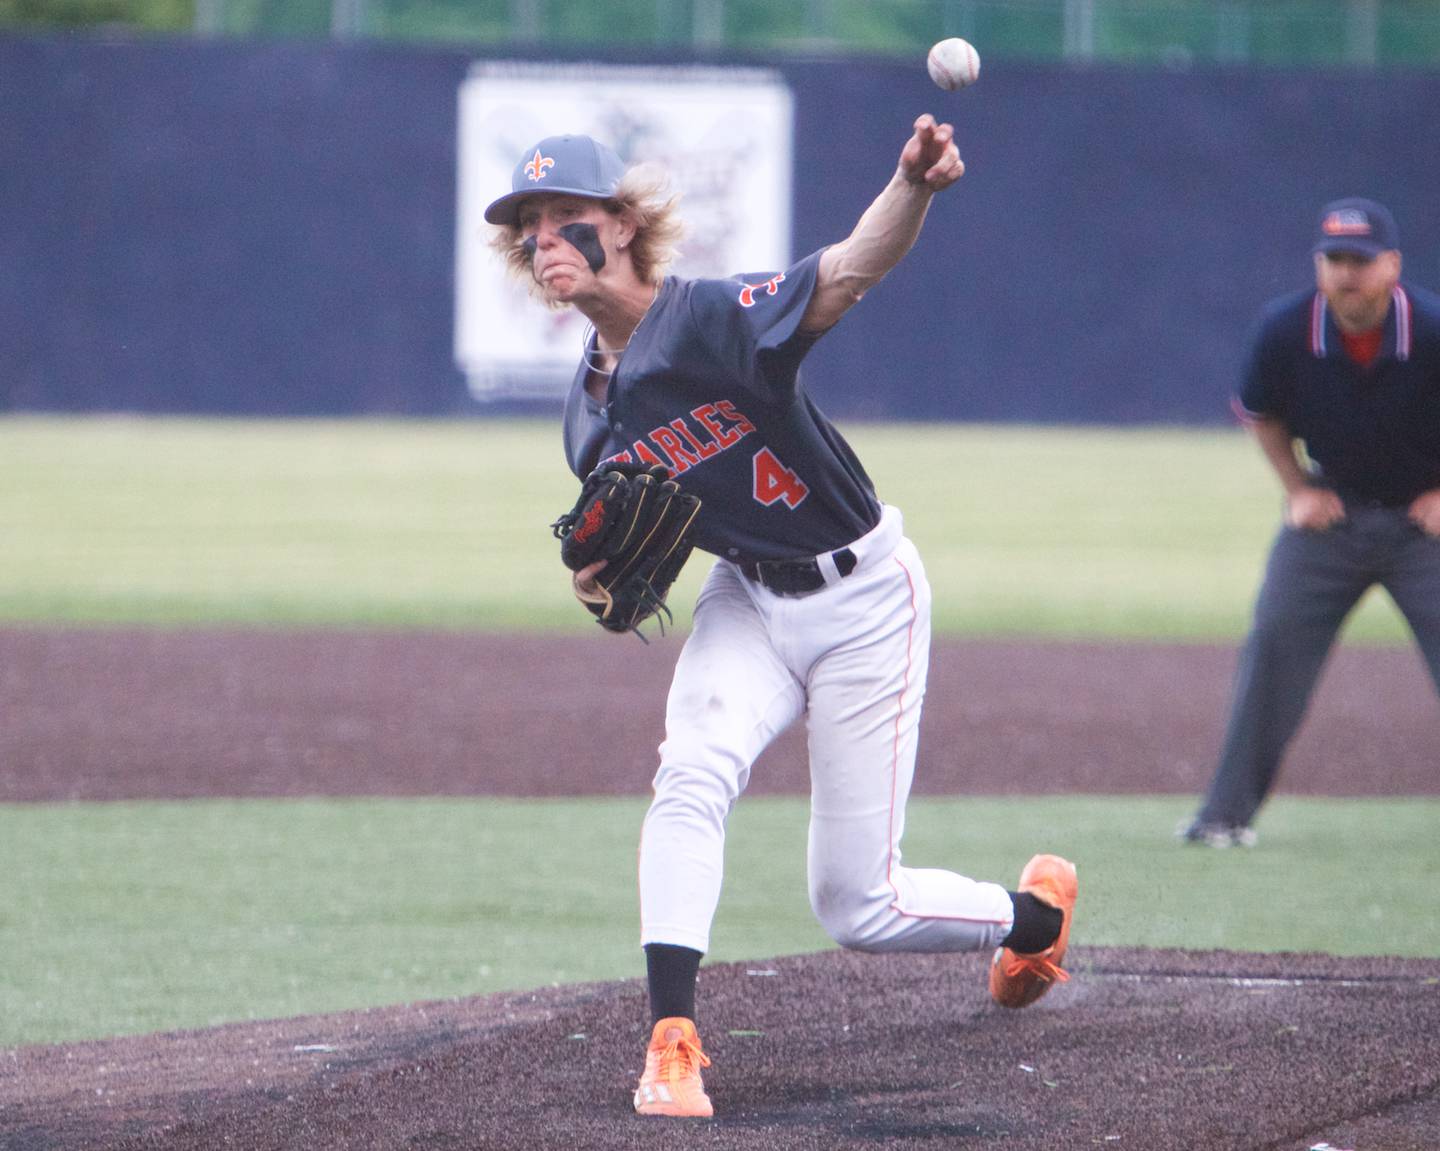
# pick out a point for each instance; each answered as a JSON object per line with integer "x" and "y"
{"x": 1016, "y": 979}
{"x": 671, "y": 1084}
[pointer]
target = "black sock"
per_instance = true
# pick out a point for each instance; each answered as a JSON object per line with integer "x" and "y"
{"x": 1037, "y": 924}
{"x": 672, "y": 971}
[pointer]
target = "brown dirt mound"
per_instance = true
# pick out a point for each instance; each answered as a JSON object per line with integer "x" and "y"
{"x": 1142, "y": 1049}
{"x": 128, "y": 714}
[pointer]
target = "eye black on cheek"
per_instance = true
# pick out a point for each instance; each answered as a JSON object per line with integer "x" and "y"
{"x": 585, "y": 239}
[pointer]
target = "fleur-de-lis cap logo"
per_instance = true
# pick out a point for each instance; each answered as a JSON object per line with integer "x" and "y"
{"x": 538, "y": 165}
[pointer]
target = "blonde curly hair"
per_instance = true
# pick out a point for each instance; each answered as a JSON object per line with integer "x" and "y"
{"x": 643, "y": 194}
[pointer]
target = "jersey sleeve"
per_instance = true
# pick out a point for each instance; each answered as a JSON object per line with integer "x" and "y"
{"x": 751, "y": 324}
{"x": 1265, "y": 383}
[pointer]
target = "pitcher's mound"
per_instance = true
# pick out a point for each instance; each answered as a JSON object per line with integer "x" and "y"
{"x": 1203, "y": 1051}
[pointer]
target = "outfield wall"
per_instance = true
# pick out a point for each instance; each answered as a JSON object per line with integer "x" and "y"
{"x": 269, "y": 228}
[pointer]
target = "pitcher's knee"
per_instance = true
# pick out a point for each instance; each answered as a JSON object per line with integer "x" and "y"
{"x": 710, "y": 785}
{"x": 851, "y": 917}
{"x": 695, "y": 806}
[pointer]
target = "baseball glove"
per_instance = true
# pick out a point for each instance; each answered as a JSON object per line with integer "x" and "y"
{"x": 639, "y": 521}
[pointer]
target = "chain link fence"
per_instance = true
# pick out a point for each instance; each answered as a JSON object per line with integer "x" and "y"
{"x": 1172, "y": 33}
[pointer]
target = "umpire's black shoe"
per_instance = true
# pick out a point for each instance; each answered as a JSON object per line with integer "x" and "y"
{"x": 1216, "y": 833}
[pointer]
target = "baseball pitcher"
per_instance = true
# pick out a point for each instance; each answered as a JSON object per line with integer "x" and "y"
{"x": 817, "y": 604}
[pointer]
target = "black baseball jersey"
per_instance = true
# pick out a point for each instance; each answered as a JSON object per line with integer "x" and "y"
{"x": 709, "y": 386}
{"x": 1374, "y": 432}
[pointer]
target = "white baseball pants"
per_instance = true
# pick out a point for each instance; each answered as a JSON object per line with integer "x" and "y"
{"x": 853, "y": 659}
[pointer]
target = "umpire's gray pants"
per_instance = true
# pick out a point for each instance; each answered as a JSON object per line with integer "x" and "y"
{"x": 1312, "y": 581}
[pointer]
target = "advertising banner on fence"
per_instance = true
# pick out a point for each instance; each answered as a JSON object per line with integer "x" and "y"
{"x": 723, "y": 135}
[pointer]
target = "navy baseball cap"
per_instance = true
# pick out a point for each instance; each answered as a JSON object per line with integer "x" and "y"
{"x": 1355, "y": 225}
{"x": 572, "y": 165}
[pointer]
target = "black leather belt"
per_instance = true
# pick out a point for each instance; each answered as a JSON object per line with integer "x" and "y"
{"x": 795, "y": 577}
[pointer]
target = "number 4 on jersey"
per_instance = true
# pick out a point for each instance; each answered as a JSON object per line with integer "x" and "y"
{"x": 774, "y": 481}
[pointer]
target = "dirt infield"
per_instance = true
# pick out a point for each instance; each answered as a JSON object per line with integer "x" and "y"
{"x": 120, "y": 714}
{"x": 1142, "y": 1049}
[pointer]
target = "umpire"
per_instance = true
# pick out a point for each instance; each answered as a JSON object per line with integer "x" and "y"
{"x": 1350, "y": 373}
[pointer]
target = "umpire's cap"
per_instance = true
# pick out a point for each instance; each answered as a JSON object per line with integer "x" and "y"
{"x": 573, "y": 165}
{"x": 1355, "y": 225}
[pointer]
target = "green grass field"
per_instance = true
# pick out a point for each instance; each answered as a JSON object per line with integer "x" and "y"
{"x": 1137, "y": 533}
{"x": 124, "y": 918}
{"x": 121, "y": 918}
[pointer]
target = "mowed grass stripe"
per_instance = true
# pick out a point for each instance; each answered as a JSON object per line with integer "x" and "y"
{"x": 1134, "y": 533}
{"x": 136, "y": 917}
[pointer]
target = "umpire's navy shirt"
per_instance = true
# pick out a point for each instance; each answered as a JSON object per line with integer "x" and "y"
{"x": 1374, "y": 432}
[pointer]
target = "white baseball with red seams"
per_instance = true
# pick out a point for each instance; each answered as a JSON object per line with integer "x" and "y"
{"x": 953, "y": 64}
